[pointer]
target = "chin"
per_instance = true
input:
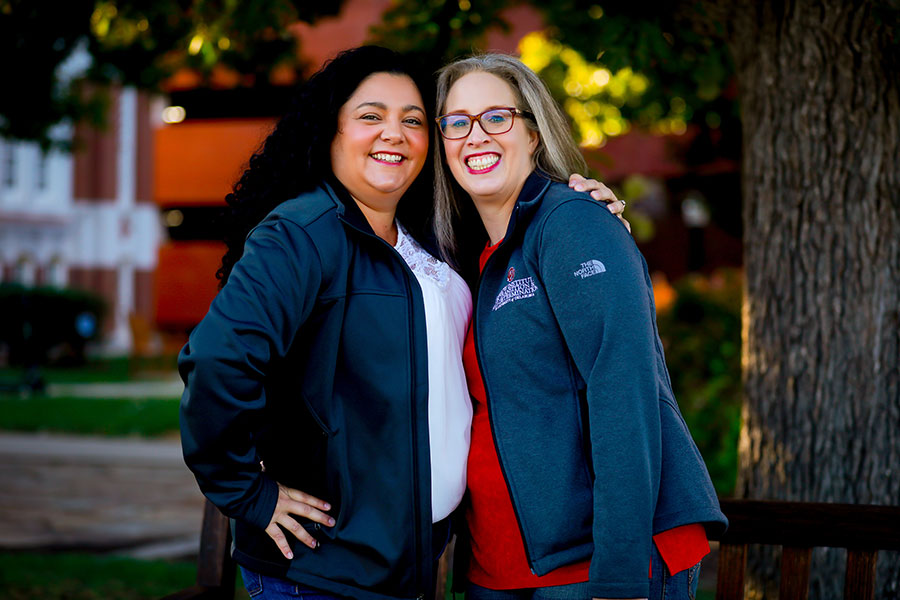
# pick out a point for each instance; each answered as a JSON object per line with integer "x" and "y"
{"x": 392, "y": 187}
{"x": 482, "y": 188}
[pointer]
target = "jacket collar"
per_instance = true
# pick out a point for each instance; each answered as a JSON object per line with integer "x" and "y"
{"x": 528, "y": 201}
{"x": 347, "y": 209}
{"x": 349, "y": 212}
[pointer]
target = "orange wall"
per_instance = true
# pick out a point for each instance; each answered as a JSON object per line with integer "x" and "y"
{"x": 185, "y": 282}
{"x": 197, "y": 162}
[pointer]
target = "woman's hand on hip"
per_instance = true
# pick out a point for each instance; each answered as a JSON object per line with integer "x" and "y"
{"x": 600, "y": 193}
{"x": 294, "y": 502}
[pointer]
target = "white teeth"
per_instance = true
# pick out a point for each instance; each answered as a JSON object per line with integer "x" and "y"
{"x": 479, "y": 163}
{"x": 391, "y": 158}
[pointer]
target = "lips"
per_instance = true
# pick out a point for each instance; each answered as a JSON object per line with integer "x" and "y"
{"x": 483, "y": 162}
{"x": 388, "y": 158}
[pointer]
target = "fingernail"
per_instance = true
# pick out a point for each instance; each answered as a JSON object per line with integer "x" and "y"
{"x": 331, "y": 521}
{"x": 579, "y": 187}
{"x": 290, "y": 555}
{"x": 327, "y": 506}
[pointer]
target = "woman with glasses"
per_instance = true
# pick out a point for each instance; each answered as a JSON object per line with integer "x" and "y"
{"x": 325, "y": 407}
{"x": 583, "y": 479}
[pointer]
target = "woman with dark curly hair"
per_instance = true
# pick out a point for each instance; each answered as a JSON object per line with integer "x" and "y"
{"x": 307, "y": 415}
{"x": 325, "y": 407}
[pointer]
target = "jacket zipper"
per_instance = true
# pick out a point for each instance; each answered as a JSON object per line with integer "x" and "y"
{"x": 415, "y": 439}
{"x": 417, "y": 493}
{"x": 487, "y": 400}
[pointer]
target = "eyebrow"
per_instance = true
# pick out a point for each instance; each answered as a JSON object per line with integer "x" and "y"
{"x": 464, "y": 112}
{"x": 383, "y": 106}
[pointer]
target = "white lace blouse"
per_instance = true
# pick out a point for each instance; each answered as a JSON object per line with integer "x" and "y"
{"x": 448, "y": 308}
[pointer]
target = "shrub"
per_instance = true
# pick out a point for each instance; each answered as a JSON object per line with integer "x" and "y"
{"x": 701, "y": 333}
{"x": 38, "y": 320}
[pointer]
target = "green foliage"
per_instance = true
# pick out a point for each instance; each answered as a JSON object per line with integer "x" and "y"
{"x": 134, "y": 42}
{"x": 91, "y": 416}
{"x": 680, "y": 67}
{"x": 35, "y": 37}
{"x": 633, "y": 190}
{"x": 37, "y": 320}
{"x": 439, "y": 30}
{"x": 34, "y": 576}
{"x": 701, "y": 333}
{"x": 657, "y": 40}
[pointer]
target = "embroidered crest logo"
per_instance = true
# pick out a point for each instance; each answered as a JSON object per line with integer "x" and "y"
{"x": 516, "y": 289}
{"x": 589, "y": 268}
{"x": 511, "y": 274}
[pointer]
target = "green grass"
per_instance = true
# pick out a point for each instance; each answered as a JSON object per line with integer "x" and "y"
{"x": 33, "y": 576}
{"x": 69, "y": 576}
{"x": 96, "y": 416}
{"x": 114, "y": 369}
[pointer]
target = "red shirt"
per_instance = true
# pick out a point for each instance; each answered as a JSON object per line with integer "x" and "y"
{"x": 498, "y": 553}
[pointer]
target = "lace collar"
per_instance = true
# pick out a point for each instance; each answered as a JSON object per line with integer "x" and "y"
{"x": 421, "y": 262}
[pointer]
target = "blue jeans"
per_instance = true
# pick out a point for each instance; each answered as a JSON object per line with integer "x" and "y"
{"x": 572, "y": 591}
{"x": 262, "y": 587}
{"x": 680, "y": 586}
{"x": 663, "y": 586}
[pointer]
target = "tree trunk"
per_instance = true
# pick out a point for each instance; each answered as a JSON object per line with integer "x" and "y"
{"x": 820, "y": 106}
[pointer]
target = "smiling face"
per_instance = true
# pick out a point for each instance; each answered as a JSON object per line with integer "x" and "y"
{"x": 381, "y": 141}
{"x": 491, "y": 168}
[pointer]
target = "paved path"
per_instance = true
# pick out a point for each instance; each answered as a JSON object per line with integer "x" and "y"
{"x": 97, "y": 493}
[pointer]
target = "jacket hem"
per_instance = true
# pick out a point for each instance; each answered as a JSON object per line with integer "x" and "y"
{"x": 619, "y": 590}
{"x": 710, "y": 516}
{"x": 569, "y": 556}
{"x": 316, "y": 582}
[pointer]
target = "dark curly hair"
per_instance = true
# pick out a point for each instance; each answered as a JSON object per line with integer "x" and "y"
{"x": 296, "y": 156}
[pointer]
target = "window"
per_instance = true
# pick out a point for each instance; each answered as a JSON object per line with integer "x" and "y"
{"x": 42, "y": 166}
{"x": 56, "y": 273}
{"x": 9, "y": 165}
{"x": 26, "y": 273}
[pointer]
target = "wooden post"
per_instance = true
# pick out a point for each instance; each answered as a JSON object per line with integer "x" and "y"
{"x": 794, "y": 573}
{"x": 732, "y": 562}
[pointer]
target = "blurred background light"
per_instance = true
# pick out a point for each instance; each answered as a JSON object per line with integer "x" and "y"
{"x": 174, "y": 114}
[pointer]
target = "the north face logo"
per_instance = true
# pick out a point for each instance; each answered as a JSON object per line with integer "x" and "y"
{"x": 591, "y": 267}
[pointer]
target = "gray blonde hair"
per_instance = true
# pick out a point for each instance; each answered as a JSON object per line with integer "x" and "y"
{"x": 556, "y": 153}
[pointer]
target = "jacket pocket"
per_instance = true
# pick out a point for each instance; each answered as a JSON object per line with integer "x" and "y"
{"x": 295, "y": 450}
{"x": 584, "y": 430}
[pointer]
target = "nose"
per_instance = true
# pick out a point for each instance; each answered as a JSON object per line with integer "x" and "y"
{"x": 477, "y": 136}
{"x": 392, "y": 132}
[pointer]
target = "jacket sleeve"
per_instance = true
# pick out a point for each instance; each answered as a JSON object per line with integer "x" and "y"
{"x": 595, "y": 280}
{"x": 250, "y": 324}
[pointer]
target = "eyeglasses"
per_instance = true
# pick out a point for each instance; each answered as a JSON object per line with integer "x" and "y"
{"x": 495, "y": 121}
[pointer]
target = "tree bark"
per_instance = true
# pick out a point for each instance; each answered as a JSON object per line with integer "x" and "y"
{"x": 820, "y": 104}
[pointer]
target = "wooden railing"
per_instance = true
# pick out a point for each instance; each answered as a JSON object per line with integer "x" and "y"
{"x": 797, "y": 527}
